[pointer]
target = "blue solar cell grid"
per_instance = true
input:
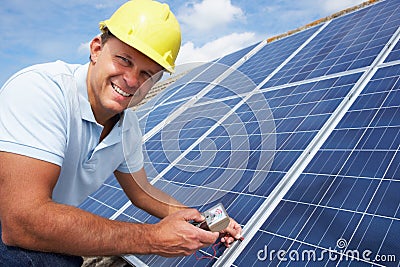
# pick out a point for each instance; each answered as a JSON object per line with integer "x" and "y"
{"x": 107, "y": 200}
{"x": 350, "y": 42}
{"x": 151, "y": 119}
{"x": 182, "y": 89}
{"x": 258, "y": 67}
{"x": 231, "y": 59}
{"x": 206, "y": 73}
{"x": 349, "y": 191}
{"x": 299, "y": 112}
{"x": 215, "y": 149}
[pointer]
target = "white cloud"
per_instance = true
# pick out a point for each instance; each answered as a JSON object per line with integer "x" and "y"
{"x": 100, "y": 6}
{"x": 215, "y": 49}
{"x": 334, "y": 6}
{"x": 209, "y": 14}
{"x": 84, "y": 48}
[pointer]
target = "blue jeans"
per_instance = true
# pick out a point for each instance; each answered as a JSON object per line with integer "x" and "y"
{"x": 19, "y": 257}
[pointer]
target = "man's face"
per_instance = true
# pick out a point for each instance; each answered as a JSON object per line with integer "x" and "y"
{"x": 119, "y": 75}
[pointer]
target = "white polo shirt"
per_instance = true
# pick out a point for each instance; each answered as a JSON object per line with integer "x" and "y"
{"x": 45, "y": 114}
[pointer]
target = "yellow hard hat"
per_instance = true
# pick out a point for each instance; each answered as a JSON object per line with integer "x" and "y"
{"x": 148, "y": 26}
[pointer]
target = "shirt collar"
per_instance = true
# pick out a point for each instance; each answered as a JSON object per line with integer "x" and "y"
{"x": 84, "y": 104}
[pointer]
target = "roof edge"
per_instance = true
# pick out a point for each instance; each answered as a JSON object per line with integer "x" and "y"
{"x": 322, "y": 20}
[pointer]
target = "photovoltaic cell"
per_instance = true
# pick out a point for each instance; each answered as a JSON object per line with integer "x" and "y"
{"x": 247, "y": 128}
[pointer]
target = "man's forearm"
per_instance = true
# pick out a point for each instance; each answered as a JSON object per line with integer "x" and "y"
{"x": 160, "y": 204}
{"x": 147, "y": 197}
{"x": 65, "y": 229}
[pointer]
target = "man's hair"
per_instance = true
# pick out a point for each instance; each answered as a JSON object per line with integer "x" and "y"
{"x": 105, "y": 35}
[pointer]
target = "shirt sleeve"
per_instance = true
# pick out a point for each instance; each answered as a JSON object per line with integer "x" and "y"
{"x": 32, "y": 117}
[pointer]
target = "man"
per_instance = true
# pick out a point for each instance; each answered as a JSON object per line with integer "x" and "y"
{"x": 61, "y": 129}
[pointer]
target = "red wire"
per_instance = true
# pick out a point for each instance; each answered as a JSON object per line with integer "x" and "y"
{"x": 214, "y": 249}
{"x": 208, "y": 257}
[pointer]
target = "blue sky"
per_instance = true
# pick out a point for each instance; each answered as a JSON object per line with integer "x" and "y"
{"x": 46, "y": 30}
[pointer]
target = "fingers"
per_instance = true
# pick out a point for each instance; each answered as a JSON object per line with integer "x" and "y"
{"x": 190, "y": 214}
{"x": 233, "y": 229}
{"x": 177, "y": 237}
{"x": 207, "y": 238}
{"x": 232, "y": 233}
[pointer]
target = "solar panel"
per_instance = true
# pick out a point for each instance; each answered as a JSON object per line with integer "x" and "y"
{"x": 298, "y": 138}
{"x": 346, "y": 200}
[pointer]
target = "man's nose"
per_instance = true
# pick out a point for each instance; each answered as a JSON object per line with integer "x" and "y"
{"x": 132, "y": 78}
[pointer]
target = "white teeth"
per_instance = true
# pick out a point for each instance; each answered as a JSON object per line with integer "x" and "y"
{"x": 119, "y": 91}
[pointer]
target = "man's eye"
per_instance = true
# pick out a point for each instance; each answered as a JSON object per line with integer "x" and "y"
{"x": 124, "y": 61}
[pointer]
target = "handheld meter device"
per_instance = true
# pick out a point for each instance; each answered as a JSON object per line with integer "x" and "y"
{"x": 217, "y": 219}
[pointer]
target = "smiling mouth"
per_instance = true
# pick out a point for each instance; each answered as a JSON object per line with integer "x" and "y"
{"x": 120, "y": 91}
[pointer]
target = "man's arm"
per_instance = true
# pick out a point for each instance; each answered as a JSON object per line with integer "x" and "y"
{"x": 147, "y": 197}
{"x": 30, "y": 219}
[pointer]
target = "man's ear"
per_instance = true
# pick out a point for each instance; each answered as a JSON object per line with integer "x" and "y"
{"x": 95, "y": 48}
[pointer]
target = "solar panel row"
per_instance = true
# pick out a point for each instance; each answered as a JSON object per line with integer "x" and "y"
{"x": 275, "y": 136}
{"x": 349, "y": 191}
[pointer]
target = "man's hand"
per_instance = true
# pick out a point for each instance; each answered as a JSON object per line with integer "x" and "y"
{"x": 175, "y": 236}
{"x": 232, "y": 233}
